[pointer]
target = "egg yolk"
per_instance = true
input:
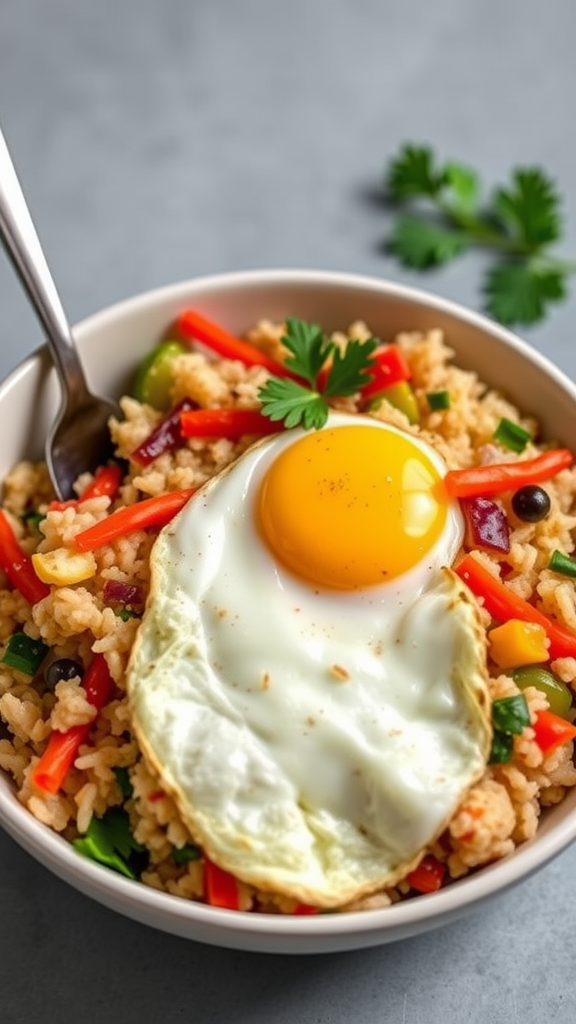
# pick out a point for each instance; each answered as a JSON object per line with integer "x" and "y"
{"x": 351, "y": 506}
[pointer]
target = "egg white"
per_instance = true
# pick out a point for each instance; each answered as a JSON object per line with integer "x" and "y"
{"x": 315, "y": 741}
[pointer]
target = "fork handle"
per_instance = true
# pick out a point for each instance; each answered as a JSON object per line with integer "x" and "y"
{"x": 22, "y": 244}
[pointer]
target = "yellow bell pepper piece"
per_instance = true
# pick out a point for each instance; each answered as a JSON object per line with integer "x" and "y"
{"x": 63, "y": 567}
{"x": 518, "y": 643}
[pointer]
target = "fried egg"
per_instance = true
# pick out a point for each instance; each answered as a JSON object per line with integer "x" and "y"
{"x": 308, "y": 680}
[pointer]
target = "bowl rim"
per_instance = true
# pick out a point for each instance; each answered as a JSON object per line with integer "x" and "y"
{"x": 185, "y": 917}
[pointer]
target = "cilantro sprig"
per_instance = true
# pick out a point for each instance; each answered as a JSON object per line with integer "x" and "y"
{"x": 447, "y": 214}
{"x": 306, "y": 403}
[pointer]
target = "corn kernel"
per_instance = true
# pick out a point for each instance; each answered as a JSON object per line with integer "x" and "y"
{"x": 518, "y": 643}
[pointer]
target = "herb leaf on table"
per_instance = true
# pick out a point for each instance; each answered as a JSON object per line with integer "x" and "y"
{"x": 443, "y": 213}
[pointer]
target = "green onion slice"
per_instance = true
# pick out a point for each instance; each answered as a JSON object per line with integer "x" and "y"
{"x": 511, "y": 714}
{"x": 502, "y": 748}
{"x": 438, "y": 400}
{"x": 187, "y": 853}
{"x": 24, "y": 654}
{"x": 511, "y": 435}
{"x": 33, "y": 519}
{"x": 123, "y": 779}
{"x": 559, "y": 562}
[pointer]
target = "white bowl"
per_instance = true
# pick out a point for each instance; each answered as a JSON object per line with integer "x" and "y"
{"x": 112, "y": 342}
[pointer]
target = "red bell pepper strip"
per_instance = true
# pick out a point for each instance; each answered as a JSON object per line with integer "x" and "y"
{"x": 390, "y": 367}
{"x": 50, "y": 771}
{"x": 305, "y": 910}
{"x": 150, "y": 512}
{"x": 165, "y": 437}
{"x": 230, "y": 423}
{"x": 193, "y": 326}
{"x": 506, "y": 476}
{"x": 221, "y": 887}
{"x": 503, "y": 604}
{"x": 551, "y": 731}
{"x": 428, "y": 875}
{"x": 18, "y": 565}
{"x": 106, "y": 482}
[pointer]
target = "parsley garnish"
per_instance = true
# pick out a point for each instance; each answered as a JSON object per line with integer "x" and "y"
{"x": 518, "y": 223}
{"x": 309, "y": 349}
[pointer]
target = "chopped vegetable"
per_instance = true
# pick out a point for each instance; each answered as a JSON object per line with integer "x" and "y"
{"x": 50, "y": 771}
{"x": 389, "y": 366}
{"x": 502, "y": 749}
{"x": 63, "y": 567}
{"x": 486, "y": 525}
{"x": 151, "y": 512}
{"x": 193, "y": 326}
{"x": 187, "y": 853}
{"x": 123, "y": 779}
{"x": 552, "y": 731}
{"x": 221, "y": 887}
{"x": 105, "y": 483}
{"x": 230, "y": 423}
{"x": 402, "y": 397}
{"x": 165, "y": 437}
{"x": 510, "y": 716}
{"x": 305, "y": 910}
{"x": 109, "y": 841}
{"x": 301, "y": 401}
{"x": 558, "y": 695}
{"x": 517, "y": 642}
{"x": 428, "y": 875}
{"x": 62, "y": 669}
{"x": 495, "y": 478}
{"x": 126, "y": 593}
{"x": 127, "y": 613}
{"x": 24, "y": 654}
{"x": 503, "y": 604}
{"x": 155, "y": 375}
{"x": 531, "y": 504}
{"x": 32, "y": 520}
{"x": 438, "y": 400}
{"x": 559, "y": 562}
{"x": 17, "y": 565}
{"x": 511, "y": 435}
{"x": 518, "y": 223}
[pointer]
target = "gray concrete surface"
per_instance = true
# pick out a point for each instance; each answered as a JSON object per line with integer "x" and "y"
{"x": 161, "y": 139}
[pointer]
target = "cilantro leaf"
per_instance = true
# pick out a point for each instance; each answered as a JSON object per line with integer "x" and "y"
{"x": 529, "y": 209}
{"x": 423, "y": 244}
{"x": 520, "y": 292}
{"x": 294, "y": 403}
{"x": 308, "y": 347}
{"x": 518, "y": 223}
{"x": 298, "y": 404}
{"x": 349, "y": 368}
{"x": 464, "y": 185}
{"x": 413, "y": 173}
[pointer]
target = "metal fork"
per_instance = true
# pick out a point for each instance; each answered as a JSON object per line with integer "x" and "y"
{"x": 79, "y": 438}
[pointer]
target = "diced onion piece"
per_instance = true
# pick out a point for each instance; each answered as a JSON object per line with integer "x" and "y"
{"x": 487, "y": 525}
